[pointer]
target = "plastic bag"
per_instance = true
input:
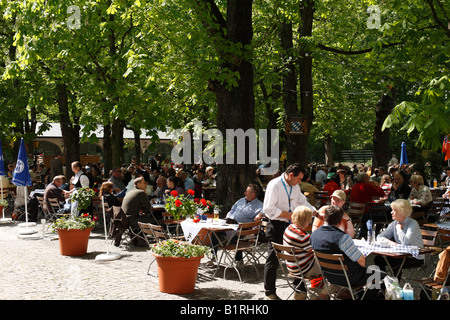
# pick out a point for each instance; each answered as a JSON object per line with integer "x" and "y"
{"x": 393, "y": 289}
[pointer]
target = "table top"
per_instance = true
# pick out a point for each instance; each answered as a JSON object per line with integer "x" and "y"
{"x": 396, "y": 250}
{"x": 191, "y": 229}
{"x": 443, "y": 225}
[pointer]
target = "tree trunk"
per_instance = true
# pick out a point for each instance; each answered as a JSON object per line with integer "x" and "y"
{"x": 117, "y": 142}
{"x": 236, "y": 105}
{"x": 306, "y": 83}
{"x": 381, "y": 138}
{"x": 70, "y": 131}
{"x": 107, "y": 150}
{"x": 137, "y": 145}
{"x": 289, "y": 90}
{"x": 329, "y": 151}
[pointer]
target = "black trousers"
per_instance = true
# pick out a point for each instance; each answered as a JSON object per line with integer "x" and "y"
{"x": 274, "y": 232}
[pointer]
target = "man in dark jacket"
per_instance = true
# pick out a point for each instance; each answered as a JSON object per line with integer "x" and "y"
{"x": 332, "y": 240}
{"x": 53, "y": 191}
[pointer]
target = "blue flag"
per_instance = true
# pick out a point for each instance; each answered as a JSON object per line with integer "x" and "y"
{"x": 2, "y": 162}
{"x": 21, "y": 175}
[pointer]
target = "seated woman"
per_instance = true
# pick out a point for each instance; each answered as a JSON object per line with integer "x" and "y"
{"x": 402, "y": 230}
{"x": 420, "y": 193}
{"x": 175, "y": 183}
{"x": 385, "y": 183}
{"x": 106, "y": 191}
{"x": 296, "y": 236}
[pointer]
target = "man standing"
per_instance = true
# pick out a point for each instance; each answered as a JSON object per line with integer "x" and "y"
{"x": 56, "y": 166}
{"x": 283, "y": 195}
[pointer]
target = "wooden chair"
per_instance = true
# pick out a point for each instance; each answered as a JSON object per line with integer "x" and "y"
{"x": 429, "y": 284}
{"x": 247, "y": 236}
{"x": 429, "y": 238}
{"x": 171, "y": 225}
{"x": 154, "y": 233}
{"x": 355, "y": 211}
{"x": 333, "y": 265}
{"x": 286, "y": 255}
{"x": 420, "y": 217}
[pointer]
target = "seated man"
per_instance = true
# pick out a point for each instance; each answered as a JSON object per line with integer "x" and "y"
{"x": 247, "y": 208}
{"x": 338, "y": 199}
{"x": 136, "y": 204}
{"x": 119, "y": 187}
{"x": 329, "y": 238}
{"x": 53, "y": 191}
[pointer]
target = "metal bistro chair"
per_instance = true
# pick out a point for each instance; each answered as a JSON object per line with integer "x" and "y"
{"x": 153, "y": 233}
{"x": 286, "y": 254}
{"x": 355, "y": 211}
{"x": 429, "y": 283}
{"x": 334, "y": 265}
{"x": 246, "y": 242}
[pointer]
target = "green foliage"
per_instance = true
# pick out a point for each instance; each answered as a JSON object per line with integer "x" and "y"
{"x": 83, "y": 196}
{"x": 175, "y": 248}
{"x": 78, "y": 223}
{"x": 430, "y": 117}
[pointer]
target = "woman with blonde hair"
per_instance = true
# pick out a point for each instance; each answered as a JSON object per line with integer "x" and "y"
{"x": 420, "y": 193}
{"x": 296, "y": 236}
{"x": 403, "y": 230}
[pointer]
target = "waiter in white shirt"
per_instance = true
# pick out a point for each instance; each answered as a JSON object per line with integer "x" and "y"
{"x": 282, "y": 196}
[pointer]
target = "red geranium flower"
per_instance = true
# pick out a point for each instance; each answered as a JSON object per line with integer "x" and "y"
{"x": 203, "y": 201}
{"x": 177, "y": 203}
{"x": 174, "y": 193}
{"x": 196, "y": 200}
{"x": 191, "y": 192}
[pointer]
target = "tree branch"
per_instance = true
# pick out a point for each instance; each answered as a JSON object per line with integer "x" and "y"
{"x": 436, "y": 18}
{"x": 350, "y": 52}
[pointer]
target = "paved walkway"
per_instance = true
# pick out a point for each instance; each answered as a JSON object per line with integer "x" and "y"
{"x": 34, "y": 269}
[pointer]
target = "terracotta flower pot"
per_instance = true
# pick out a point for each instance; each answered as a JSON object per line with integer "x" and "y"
{"x": 177, "y": 275}
{"x": 73, "y": 242}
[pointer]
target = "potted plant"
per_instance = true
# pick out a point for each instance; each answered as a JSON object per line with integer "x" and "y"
{"x": 73, "y": 232}
{"x": 3, "y": 203}
{"x": 181, "y": 206}
{"x": 178, "y": 263}
{"x": 83, "y": 198}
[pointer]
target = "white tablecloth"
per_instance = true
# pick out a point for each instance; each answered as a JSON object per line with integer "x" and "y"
{"x": 367, "y": 248}
{"x": 191, "y": 229}
{"x": 443, "y": 225}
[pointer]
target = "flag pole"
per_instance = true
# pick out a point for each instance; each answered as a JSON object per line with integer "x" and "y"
{"x": 106, "y": 256}
{"x": 3, "y": 210}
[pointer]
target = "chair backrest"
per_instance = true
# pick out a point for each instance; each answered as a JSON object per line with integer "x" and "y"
{"x": 355, "y": 209}
{"x": 333, "y": 266}
{"x": 429, "y": 237}
{"x": 40, "y": 201}
{"x": 54, "y": 205}
{"x": 249, "y": 232}
{"x": 377, "y": 209}
{"x": 286, "y": 253}
{"x": 158, "y": 232}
